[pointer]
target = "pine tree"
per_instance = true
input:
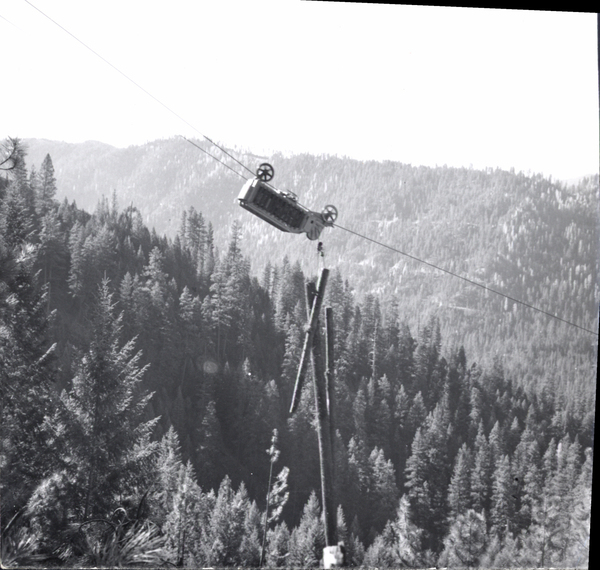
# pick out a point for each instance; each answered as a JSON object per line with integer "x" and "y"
{"x": 166, "y": 471}
{"x": 180, "y": 525}
{"x": 354, "y": 550}
{"x": 100, "y": 422}
{"x": 535, "y": 548}
{"x": 308, "y": 538}
{"x": 250, "y": 547}
{"x": 382, "y": 490}
{"x": 278, "y": 546}
{"x": 27, "y": 371}
{"x": 47, "y": 187}
{"x": 209, "y": 465}
{"x": 359, "y": 480}
{"x": 481, "y": 476}
{"x": 222, "y": 540}
{"x": 277, "y": 494}
{"x": 407, "y": 538}
{"x": 427, "y": 361}
{"x": 578, "y": 550}
{"x": 465, "y": 542}
{"x": 561, "y": 489}
{"x": 502, "y": 509}
{"x": 459, "y": 491}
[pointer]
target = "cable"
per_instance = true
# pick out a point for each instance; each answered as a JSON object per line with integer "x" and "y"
{"x": 213, "y": 156}
{"x": 164, "y": 105}
{"x": 481, "y": 285}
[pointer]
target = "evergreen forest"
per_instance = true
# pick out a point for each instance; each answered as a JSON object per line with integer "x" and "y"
{"x": 146, "y": 380}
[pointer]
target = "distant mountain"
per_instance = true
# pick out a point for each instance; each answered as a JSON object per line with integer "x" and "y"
{"x": 529, "y": 237}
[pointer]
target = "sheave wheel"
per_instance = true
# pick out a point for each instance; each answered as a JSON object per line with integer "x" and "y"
{"x": 265, "y": 172}
{"x": 329, "y": 214}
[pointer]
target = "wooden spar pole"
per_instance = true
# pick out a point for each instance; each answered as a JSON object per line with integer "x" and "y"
{"x": 329, "y": 360}
{"x": 333, "y": 553}
{"x": 324, "y": 438}
{"x": 308, "y": 340}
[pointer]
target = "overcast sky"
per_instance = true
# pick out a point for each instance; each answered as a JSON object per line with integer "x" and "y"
{"x": 420, "y": 85}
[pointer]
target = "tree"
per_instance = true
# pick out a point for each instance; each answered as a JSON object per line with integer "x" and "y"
{"x": 428, "y": 475}
{"x": 459, "y": 491}
{"x": 481, "y": 475}
{"x": 466, "y": 541}
{"x": 210, "y": 447}
{"x": 417, "y": 481}
{"x": 180, "y": 525}
{"x": 99, "y": 425}
{"x": 166, "y": 474}
{"x": 502, "y": 510}
{"x": 308, "y": 538}
{"x": 27, "y": 373}
{"x": 222, "y": 539}
{"x": 11, "y": 154}
{"x": 278, "y": 546}
{"x": 406, "y": 543}
{"x": 277, "y": 495}
{"x": 47, "y": 187}
{"x": 382, "y": 490}
{"x": 250, "y": 548}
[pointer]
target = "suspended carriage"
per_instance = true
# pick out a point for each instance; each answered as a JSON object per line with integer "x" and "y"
{"x": 281, "y": 209}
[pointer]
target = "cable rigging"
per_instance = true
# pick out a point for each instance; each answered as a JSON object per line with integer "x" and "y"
{"x": 144, "y": 90}
{"x": 466, "y": 279}
{"x": 280, "y": 208}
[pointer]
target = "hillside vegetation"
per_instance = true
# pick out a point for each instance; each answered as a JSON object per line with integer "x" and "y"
{"x": 147, "y": 375}
{"x": 531, "y": 238}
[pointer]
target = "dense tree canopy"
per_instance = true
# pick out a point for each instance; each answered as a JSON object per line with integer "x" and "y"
{"x": 143, "y": 377}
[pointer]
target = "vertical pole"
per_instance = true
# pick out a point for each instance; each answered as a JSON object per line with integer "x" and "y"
{"x": 316, "y": 295}
{"x": 330, "y": 377}
{"x": 333, "y": 553}
{"x": 324, "y": 437}
{"x": 314, "y": 337}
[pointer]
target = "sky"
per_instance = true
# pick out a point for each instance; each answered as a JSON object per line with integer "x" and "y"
{"x": 422, "y": 85}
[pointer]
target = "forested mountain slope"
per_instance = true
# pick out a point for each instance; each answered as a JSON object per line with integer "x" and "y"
{"x": 143, "y": 378}
{"x": 531, "y": 238}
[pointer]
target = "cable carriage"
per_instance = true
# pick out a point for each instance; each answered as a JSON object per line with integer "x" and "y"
{"x": 281, "y": 209}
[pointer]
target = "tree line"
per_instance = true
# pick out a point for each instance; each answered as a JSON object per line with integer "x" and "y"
{"x": 145, "y": 389}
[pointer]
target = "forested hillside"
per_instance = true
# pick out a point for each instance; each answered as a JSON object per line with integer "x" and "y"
{"x": 146, "y": 379}
{"x": 531, "y": 238}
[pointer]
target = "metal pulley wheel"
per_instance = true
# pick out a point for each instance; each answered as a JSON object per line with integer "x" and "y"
{"x": 329, "y": 214}
{"x": 265, "y": 172}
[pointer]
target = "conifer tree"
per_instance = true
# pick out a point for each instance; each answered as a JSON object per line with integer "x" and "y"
{"x": 100, "y": 422}
{"x": 222, "y": 539}
{"x": 180, "y": 526}
{"x": 166, "y": 473}
{"x": 382, "y": 490}
{"x": 502, "y": 509}
{"x": 277, "y": 546}
{"x": 417, "y": 481}
{"x": 459, "y": 491}
{"x": 209, "y": 464}
{"x": 47, "y": 187}
{"x": 250, "y": 547}
{"x": 354, "y": 549}
{"x": 481, "y": 476}
{"x": 27, "y": 370}
{"x": 308, "y": 538}
{"x": 466, "y": 541}
{"x": 406, "y": 538}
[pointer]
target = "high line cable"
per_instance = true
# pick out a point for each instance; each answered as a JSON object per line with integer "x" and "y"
{"x": 213, "y": 156}
{"x": 470, "y": 281}
{"x": 182, "y": 119}
{"x": 143, "y": 89}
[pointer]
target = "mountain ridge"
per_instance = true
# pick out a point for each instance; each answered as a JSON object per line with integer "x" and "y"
{"x": 525, "y": 236}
